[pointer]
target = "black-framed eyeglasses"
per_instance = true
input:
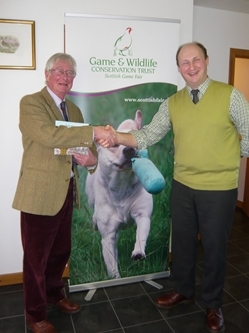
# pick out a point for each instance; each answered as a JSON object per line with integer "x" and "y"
{"x": 60, "y": 72}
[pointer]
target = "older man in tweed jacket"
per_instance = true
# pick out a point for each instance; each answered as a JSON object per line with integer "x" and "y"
{"x": 45, "y": 189}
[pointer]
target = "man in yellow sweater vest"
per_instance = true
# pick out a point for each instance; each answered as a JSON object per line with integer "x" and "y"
{"x": 210, "y": 122}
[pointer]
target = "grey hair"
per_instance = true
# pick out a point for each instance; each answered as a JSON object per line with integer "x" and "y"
{"x": 63, "y": 57}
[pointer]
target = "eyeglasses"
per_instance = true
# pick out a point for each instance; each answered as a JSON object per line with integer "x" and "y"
{"x": 61, "y": 72}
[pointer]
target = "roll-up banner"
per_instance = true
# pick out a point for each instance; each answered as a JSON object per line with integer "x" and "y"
{"x": 126, "y": 68}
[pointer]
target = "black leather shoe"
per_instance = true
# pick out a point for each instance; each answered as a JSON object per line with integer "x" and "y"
{"x": 215, "y": 321}
{"x": 171, "y": 300}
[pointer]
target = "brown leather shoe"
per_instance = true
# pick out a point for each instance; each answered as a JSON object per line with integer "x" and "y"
{"x": 215, "y": 321}
{"x": 43, "y": 326}
{"x": 171, "y": 300}
{"x": 67, "y": 306}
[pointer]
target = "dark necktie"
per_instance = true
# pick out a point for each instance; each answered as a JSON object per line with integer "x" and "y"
{"x": 194, "y": 92}
{"x": 63, "y": 109}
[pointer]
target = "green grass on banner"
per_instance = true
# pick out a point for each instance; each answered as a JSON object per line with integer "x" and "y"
{"x": 86, "y": 262}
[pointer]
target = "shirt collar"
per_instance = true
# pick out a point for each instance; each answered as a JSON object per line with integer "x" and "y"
{"x": 202, "y": 88}
{"x": 56, "y": 99}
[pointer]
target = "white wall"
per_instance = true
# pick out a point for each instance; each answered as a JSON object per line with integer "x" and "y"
{"x": 220, "y": 30}
{"x": 49, "y": 19}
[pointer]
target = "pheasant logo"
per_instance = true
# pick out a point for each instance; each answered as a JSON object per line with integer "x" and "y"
{"x": 123, "y": 44}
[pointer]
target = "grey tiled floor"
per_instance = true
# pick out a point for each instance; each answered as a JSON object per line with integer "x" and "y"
{"x": 130, "y": 308}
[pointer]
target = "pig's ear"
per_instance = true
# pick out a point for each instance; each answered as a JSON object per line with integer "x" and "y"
{"x": 138, "y": 119}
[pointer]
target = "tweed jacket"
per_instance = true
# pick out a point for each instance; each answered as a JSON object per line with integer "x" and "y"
{"x": 44, "y": 177}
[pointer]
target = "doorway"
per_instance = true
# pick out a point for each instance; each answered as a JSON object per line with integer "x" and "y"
{"x": 238, "y": 77}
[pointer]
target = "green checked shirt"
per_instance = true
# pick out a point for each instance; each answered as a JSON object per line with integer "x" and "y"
{"x": 161, "y": 123}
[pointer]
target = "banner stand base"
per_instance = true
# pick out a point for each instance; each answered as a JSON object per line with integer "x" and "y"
{"x": 154, "y": 284}
{"x": 90, "y": 294}
{"x": 93, "y": 286}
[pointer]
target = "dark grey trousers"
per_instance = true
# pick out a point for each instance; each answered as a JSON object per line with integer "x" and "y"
{"x": 210, "y": 213}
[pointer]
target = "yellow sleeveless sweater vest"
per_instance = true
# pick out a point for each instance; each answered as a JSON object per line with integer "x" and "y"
{"x": 206, "y": 142}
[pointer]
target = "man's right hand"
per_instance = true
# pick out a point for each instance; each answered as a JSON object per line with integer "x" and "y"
{"x": 105, "y": 135}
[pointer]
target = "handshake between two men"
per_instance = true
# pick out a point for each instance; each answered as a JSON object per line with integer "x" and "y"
{"x": 107, "y": 137}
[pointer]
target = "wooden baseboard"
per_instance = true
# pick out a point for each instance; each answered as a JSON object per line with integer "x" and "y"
{"x": 8, "y": 279}
{"x": 239, "y": 204}
{"x": 16, "y": 278}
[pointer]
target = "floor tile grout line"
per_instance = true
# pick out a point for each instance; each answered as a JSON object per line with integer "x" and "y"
{"x": 12, "y": 317}
{"x": 245, "y": 252}
{"x": 74, "y": 330}
{"x": 121, "y": 326}
{"x": 150, "y": 322}
{"x": 235, "y": 299}
{"x": 11, "y": 292}
{"x": 240, "y": 273}
{"x": 243, "y": 306}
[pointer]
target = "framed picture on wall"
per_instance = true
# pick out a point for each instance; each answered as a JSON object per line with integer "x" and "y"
{"x": 17, "y": 44}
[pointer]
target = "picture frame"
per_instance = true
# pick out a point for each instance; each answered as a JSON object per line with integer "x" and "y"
{"x": 17, "y": 44}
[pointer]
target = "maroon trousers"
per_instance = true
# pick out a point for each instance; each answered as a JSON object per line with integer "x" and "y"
{"x": 47, "y": 245}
